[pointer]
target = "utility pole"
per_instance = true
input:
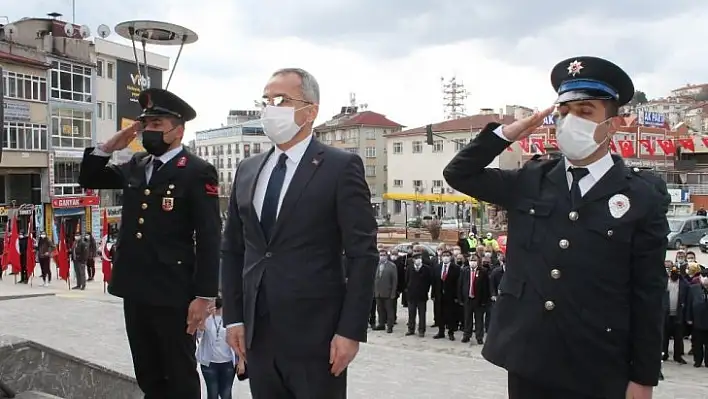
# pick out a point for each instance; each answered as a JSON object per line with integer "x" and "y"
{"x": 454, "y": 97}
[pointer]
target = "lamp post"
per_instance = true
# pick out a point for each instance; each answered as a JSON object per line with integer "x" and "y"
{"x": 405, "y": 216}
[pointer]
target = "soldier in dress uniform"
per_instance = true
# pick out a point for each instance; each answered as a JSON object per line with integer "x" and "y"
{"x": 167, "y": 283}
{"x": 580, "y": 309}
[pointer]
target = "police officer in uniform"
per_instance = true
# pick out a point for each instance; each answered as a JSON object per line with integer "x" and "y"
{"x": 167, "y": 283}
{"x": 580, "y": 309}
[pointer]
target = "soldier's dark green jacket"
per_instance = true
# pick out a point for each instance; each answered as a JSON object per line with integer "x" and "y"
{"x": 581, "y": 300}
{"x": 156, "y": 260}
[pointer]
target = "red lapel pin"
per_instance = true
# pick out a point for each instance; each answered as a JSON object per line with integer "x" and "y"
{"x": 182, "y": 162}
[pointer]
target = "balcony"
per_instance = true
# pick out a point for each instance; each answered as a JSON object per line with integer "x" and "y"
{"x": 697, "y": 189}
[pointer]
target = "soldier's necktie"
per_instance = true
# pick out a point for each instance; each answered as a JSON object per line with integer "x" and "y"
{"x": 575, "y": 195}
{"x": 269, "y": 212}
{"x": 156, "y": 164}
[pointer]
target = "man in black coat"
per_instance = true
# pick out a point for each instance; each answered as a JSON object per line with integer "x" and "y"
{"x": 167, "y": 284}
{"x": 293, "y": 211}
{"x": 475, "y": 295}
{"x": 418, "y": 280}
{"x": 446, "y": 275}
{"x": 674, "y": 306}
{"x": 580, "y": 309}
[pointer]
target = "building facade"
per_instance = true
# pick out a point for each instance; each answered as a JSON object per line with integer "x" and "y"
{"x": 239, "y": 116}
{"x": 70, "y": 96}
{"x": 416, "y": 187}
{"x": 118, "y": 85}
{"x": 226, "y": 147}
{"x": 364, "y": 133}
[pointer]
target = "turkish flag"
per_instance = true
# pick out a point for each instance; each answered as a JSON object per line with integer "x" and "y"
{"x": 538, "y": 144}
{"x": 105, "y": 256}
{"x": 647, "y": 146}
{"x": 5, "y": 242}
{"x": 613, "y": 146}
{"x": 524, "y": 143}
{"x": 667, "y": 146}
{"x": 626, "y": 149}
{"x": 687, "y": 144}
{"x": 14, "y": 247}
{"x": 62, "y": 255}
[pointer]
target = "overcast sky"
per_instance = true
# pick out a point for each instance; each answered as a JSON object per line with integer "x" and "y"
{"x": 393, "y": 53}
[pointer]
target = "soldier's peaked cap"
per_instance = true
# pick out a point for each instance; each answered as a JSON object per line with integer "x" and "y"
{"x": 591, "y": 78}
{"x": 160, "y": 102}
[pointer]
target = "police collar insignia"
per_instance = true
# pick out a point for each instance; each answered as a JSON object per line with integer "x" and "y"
{"x": 182, "y": 162}
{"x": 575, "y": 67}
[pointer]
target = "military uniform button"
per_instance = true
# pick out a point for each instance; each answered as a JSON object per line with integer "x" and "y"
{"x": 549, "y": 305}
{"x": 168, "y": 192}
{"x": 610, "y": 233}
{"x": 147, "y": 191}
{"x": 144, "y": 206}
{"x": 138, "y": 235}
{"x": 636, "y": 170}
{"x": 171, "y": 186}
{"x": 608, "y": 329}
{"x": 555, "y": 274}
{"x": 573, "y": 216}
{"x": 564, "y": 244}
{"x": 141, "y": 220}
{"x": 179, "y": 262}
{"x": 268, "y": 254}
{"x": 532, "y": 211}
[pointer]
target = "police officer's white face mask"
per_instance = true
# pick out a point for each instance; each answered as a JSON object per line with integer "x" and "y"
{"x": 576, "y": 137}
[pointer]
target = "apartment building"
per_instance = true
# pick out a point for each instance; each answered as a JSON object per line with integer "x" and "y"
{"x": 363, "y": 132}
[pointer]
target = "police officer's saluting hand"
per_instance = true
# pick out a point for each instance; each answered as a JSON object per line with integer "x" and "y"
{"x": 166, "y": 260}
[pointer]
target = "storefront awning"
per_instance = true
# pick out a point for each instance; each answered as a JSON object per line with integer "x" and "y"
{"x": 429, "y": 197}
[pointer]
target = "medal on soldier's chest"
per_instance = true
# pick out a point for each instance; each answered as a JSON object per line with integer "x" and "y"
{"x": 168, "y": 204}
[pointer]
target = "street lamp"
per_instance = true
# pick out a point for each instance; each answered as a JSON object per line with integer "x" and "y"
{"x": 405, "y": 215}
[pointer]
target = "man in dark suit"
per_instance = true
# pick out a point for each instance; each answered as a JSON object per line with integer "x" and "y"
{"x": 674, "y": 305}
{"x": 288, "y": 306}
{"x": 167, "y": 284}
{"x": 446, "y": 274}
{"x": 580, "y": 312}
{"x": 474, "y": 295}
{"x": 418, "y": 279}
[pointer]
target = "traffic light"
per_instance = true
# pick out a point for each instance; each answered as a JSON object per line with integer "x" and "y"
{"x": 429, "y": 134}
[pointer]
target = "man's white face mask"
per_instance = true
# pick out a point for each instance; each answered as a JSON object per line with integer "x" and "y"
{"x": 576, "y": 137}
{"x": 279, "y": 123}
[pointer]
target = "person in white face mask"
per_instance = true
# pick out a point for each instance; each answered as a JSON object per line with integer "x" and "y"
{"x": 573, "y": 221}
{"x": 309, "y": 204}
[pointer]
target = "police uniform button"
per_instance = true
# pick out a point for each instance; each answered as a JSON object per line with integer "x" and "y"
{"x": 138, "y": 235}
{"x": 636, "y": 170}
{"x": 168, "y": 192}
{"x": 268, "y": 254}
{"x": 141, "y": 220}
{"x": 532, "y": 211}
{"x": 144, "y": 206}
{"x": 555, "y": 274}
{"x": 573, "y": 216}
{"x": 147, "y": 191}
{"x": 610, "y": 233}
{"x": 564, "y": 244}
{"x": 608, "y": 329}
{"x": 171, "y": 186}
{"x": 549, "y": 305}
{"x": 179, "y": 262}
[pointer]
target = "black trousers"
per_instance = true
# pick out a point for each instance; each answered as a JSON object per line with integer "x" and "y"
{"x": 91, "y": 268}
{"x": 372, "y": 313}
{"x": 386, "y": 310}
{"x": 44, "y": 265}
{"x": 699, "y": 339}
{"x": 474, "y": 318}
{"x": 23, "y": 268}
{"x": 275, "y": 375}
{"x": 673, "y": 328}
{"x": 420, "y": 309}
{"x": 163, "y": 353}
{"x": 523, "y": 388}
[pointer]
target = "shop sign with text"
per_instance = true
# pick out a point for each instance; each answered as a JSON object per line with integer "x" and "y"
{"x": 75, "y": 202}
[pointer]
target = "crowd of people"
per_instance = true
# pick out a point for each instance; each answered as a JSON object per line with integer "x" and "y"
{"x": 686, "y": 308}
{"x": 462, "y": 280}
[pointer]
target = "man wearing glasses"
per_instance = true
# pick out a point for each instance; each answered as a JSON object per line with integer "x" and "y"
{"x": 289, "y": 308}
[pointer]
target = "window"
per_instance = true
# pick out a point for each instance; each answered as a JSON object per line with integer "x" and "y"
{"x": 353, "y": 150}
{"x": 221, "y": 177}
{"x": 109, "y": 70}
{"x": 459, "y": 144}
{"x": 437, "y": 183}
{"x": 71, "y": 128}
{"x": 70, "y": 82}
{"x": 417, "y": 147}
{"x": 397, "y": 183}
{"x": 370, "y": 170}
{"x": 228, "y": 151}
{"x": 398, "y": 148}
{"x": 99, "y": 110}
{"x": 371, "y": 134}
{"x": 228, "y": 164}
{"x": 438, "y": 146}
{"x": 25, "y": 136}
{"x": 231, "y": 178}
{"x": 66, "y": 175}
{"x": 199, "y": 151}
{"x": 99, "y": 68}
{"x": 256, "y": 148}
{"x": 206, "y": 151}
{"x": 372, "y": 190}
{"x": 24, "y": 87}
{"x": 397, "y": 206}
{"x": 417, "y": 185}
{"x": 110, "y": 111}
{"x": 370, "y": 152}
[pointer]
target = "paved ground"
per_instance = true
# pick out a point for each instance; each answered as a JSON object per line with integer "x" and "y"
{"x": 89, "y": 324}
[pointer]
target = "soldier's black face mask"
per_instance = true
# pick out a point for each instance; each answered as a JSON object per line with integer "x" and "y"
{"x": 154, "y": 141}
